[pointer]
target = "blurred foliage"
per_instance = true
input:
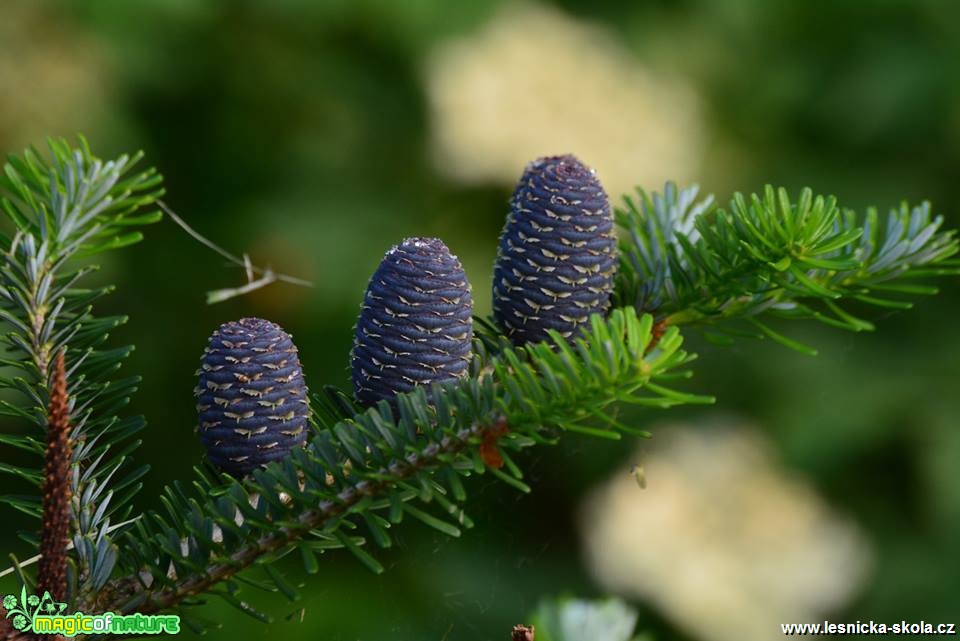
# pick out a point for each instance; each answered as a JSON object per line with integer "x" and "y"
{"x": 300, "y": 132}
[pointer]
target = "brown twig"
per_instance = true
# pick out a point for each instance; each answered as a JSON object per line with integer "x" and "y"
{"x": 55, "y": 531}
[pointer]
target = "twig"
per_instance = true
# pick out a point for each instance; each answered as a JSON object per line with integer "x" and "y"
{"x": 267, "y": 275}
{"x": 52, "y": 572}
{"x": 220, "y": 295}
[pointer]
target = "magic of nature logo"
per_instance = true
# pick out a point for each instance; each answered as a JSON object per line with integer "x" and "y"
{"x": 43, "y": 615}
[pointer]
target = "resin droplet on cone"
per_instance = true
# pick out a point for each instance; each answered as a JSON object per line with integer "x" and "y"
{"x": 416, "y": 323}
{"x": 251, "y": 396}
{"x": 558, "y": 252}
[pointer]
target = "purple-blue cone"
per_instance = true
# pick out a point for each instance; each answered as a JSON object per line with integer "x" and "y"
{"x": 416, "y": 322}
{"x": 251, "y": 396}
{"x": 558, "y": 252}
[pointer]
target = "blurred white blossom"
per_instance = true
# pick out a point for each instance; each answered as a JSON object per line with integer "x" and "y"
{"x": 534, "y": 81}
{"x": 724, "y": 542}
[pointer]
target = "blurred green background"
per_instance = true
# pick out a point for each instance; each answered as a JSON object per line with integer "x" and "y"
{"x": 315, "y": 134}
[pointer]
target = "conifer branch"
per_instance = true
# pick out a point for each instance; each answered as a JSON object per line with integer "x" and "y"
{"x": 720, "y": 270}
{"x": 123, "y": 596}
{"x": 64, "y": 207}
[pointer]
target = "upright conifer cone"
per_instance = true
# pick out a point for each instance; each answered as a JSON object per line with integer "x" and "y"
{"x": 251, "y": 396}
{"x": 416, "y": 322}
{"x": 558, "y": 252}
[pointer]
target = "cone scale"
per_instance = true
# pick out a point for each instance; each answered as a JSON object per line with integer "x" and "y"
{"x": 557, "y": 255}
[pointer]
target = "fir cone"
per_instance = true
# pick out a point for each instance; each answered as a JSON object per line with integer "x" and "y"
{"x": 558, "y": 252}
{"x": 416, "y": 322}
{"x": 251, "y": 396}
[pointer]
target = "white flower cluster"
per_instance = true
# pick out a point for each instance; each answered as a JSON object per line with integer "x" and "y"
{"x": 725, "y": 542}
{"x": 534, "y": 81}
